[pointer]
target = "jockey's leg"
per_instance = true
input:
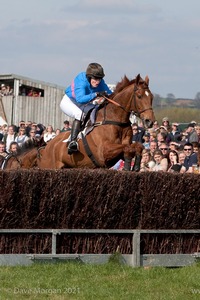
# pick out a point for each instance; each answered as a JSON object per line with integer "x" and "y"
{"x": 73, "y": 111}
{"x": 73, "y": 145}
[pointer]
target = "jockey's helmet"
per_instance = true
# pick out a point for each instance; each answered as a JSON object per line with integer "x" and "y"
{"x": 95, "y": 70}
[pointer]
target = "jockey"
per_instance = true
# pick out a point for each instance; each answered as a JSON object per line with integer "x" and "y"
{"x": 82, "y": 96}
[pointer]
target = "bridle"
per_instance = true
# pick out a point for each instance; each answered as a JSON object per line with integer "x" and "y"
{"x": 6, "y": 159}
{"x": 133, "y": 97}
{"x": 138, "y": 112}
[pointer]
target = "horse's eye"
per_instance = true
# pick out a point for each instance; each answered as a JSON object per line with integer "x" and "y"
{"x": 139, "y": 96}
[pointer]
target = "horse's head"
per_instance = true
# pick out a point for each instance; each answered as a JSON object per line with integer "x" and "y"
{"x": 135, "y": 96}
{"x": 142, "y": 99}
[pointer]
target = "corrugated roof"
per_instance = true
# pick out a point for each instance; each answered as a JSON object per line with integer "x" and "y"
{"x": 15, "y": 76}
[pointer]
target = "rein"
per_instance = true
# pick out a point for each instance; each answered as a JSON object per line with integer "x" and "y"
{"x": 137, "y": 113}
{"x": 6, "y": 159}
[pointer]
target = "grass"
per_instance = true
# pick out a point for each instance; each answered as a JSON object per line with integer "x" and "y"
{"x": 109, "y": 281}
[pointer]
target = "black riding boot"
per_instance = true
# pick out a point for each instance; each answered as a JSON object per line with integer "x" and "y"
{"x": 73, "y": 145}
{"x": 137, "y": 162}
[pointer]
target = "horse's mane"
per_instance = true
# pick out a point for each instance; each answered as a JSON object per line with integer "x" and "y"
{"x": 30, "y": 144}
{"x": 122, "y": 84}
{"x": 125, "y": 82}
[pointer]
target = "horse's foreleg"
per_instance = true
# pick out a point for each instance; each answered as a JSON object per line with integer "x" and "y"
{"x": 135, "y": 150}
{"x": 138, "y": 156}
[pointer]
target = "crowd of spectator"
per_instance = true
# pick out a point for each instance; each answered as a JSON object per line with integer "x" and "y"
{"x": 167, "y": 148}
{"x": 12, "y": 137}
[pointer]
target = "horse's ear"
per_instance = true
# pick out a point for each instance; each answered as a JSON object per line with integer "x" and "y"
{"x": 147, "y": 80}
{"x": 137, "y": 79}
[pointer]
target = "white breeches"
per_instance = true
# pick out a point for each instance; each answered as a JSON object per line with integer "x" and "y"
{"x": 70, "y": 109}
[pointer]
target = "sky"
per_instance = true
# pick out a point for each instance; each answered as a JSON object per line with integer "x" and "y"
{"x": 54, "y": 40}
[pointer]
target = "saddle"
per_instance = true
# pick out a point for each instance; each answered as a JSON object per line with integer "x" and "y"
{"x": 90, "y": 120}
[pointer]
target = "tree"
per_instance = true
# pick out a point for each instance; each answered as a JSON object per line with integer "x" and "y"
{"x": 156, "y": 100}
{"x": 170, "y": 96}
{"x": 197, "y": 100}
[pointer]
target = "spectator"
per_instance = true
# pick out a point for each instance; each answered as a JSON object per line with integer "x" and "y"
{"x": 58, "y": 131}
{"x": 197, "y": 128}
{"x": 40, "y": 130}
{"x": 21, "y": 137}
{"x": 165, "y": 123}
{"x": 196, "y": 147}
{"x": 164, "y": 149}
{"x": 146, "y": 158}
{"x": 138, "y": 133}
{"x": 3, "y": 151}
{"x": 175, "y": 135}
{"x": 9, "y": 90}
{"x": 32, "y": 135}
{"x": 181, "y": 157}
{"x": 153, "y": 147}
{"x": 146, "y": 139}
{"x": 174, "y": 146}
{"x": 14, "y": 148}
{"x": 161, "y": 163}
{"x": 28, "y": 126}
{"x": 9, "y": 136}
{"x": 49, "y": 134}
{"x": 153, "y": 135}
{"x": 191, "y": 157}
{"x": 156, "y": 126}
{"x": 5, "y": 90}
{"x": 161, "y": 138}
{"x": 21, "y": 124}
{"x": 4, "y": 129}
{"x": 174, "y": 165}
{"x": 33, "y": 93}
{"x": 192, "y": 134}
{"x": 66, "y": 126}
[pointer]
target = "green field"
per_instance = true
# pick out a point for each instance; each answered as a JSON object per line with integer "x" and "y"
{"x": 177, "y": 114}
{"x": 110, "y": 281}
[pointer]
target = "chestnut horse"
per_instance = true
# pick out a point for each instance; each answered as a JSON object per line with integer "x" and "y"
{"x": 25, "y": 159}
{"x": 111, "y": 136}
